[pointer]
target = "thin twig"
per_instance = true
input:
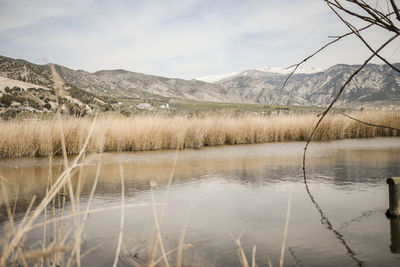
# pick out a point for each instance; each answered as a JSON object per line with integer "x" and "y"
{"x": 337, "y": 38}
{"x": 338, "y": 95}
{"x": 357, "y": 33}
{"x": 371, "y": 21}
{"x": 374, "y": 20}
{"x": 369, "y": 124}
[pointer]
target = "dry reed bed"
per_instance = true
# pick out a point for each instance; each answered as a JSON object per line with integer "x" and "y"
{"x": 42, "y": 138}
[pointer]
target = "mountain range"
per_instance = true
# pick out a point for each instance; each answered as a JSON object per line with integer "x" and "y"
{"x": 375, "y": 85}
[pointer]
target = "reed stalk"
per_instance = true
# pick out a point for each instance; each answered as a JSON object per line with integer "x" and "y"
{"x": 285, "y": 231}
{"x": 43, "y": 138}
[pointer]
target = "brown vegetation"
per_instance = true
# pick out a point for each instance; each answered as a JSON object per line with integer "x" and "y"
{"x": 42, "y": 138}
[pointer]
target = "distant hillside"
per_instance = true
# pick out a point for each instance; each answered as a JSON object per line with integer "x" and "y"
{"x": 116, "y": 83}
{"x": 375, "y": 85}
{"x": 26, "y": 87}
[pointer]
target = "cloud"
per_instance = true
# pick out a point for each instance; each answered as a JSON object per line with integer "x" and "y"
{"x": 180, "y": 38}
{"x": 21, "y": 13}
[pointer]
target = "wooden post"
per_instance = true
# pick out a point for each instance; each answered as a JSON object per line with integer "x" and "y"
{"x": 394, "y": 197}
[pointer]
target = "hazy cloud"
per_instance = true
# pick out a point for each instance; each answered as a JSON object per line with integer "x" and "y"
{"x": 20, "y": 13}
{"x": 180, "y": 38}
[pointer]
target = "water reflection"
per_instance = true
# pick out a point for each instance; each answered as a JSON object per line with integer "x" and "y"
{"x": 395, "y": 235}
{"x": 346, "y": 172}
{"x": 325, "y": 221}
{"x": 254, "y": 165}
{"x": 238, "y": 186}
{"x": 298, "y": 262}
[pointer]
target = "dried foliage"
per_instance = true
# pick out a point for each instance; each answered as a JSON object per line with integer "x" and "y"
{"x": 43, "y": 138}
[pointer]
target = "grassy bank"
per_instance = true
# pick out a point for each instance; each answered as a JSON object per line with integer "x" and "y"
{"x": 42, "y": 138}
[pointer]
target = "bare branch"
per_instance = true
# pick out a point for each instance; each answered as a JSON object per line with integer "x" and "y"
{"x": 368, "y": 19}
{"x": 374, "y": 19}
{"x": 395, "y": 9}
{"x": 338, "y": 95}
{"x": 377, "y": 18}
{"x": 337, "y": 38}
{"x": 375, "y": 13}
{"x": 356, "y": 32}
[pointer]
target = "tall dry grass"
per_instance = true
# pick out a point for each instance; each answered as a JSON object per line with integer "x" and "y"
{"x": 42, "y": 138}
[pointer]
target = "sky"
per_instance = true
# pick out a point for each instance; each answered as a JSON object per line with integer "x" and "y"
{"x": 178, "y": 38}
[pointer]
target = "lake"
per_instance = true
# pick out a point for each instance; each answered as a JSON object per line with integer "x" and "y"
{"x": 220, "y": 193}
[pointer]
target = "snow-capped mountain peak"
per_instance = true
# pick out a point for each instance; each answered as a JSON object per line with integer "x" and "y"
{"x": 276, "y": 70}
{"x": 217, "y": 77}
{"x": 280, "y": 70}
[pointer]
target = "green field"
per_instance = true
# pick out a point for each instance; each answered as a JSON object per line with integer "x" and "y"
{"x": 192, "y": 106}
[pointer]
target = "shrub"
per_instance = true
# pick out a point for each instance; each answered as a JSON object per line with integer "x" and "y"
{"x": 6, "y": 100}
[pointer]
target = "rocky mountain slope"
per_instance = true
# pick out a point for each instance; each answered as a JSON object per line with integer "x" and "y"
{"x": 375, "y": 84}
{"x": 115, "y": 83}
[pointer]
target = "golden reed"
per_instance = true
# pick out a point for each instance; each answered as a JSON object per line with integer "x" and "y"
{"x": 42, "y": 138}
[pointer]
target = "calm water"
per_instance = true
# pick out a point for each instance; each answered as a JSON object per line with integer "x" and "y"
{"x": 220, "y": 192}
